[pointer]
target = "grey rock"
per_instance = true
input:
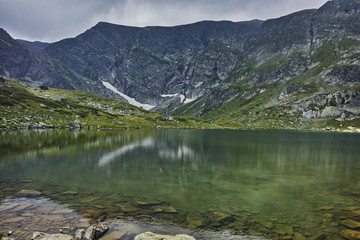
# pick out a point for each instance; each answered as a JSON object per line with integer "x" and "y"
{"x": 95, "y": 231}
{"x": 44, "y": 236}
{"x": 153, "y": 236}
{"x": 79, "y": 234}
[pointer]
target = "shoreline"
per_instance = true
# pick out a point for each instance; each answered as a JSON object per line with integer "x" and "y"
{"x": 53, "y": 127}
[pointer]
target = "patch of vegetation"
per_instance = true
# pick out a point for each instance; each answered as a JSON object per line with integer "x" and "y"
{"x": 22, "y": 105}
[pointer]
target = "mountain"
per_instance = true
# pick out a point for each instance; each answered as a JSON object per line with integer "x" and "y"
{"x": 297, "y": 71}
{"x": 33, "y": 46}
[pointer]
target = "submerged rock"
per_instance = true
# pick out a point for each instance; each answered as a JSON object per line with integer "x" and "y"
{"x": 115, "y": 235}
{"x": 153, "y": 236}
{"x": 350, "y": 234}
{"x": 73, "y": 193}
{"x": 321, "y": 236}
{"x": 351, "y": 223}
{"x": 127, "y": 208}
{"x": 299, "y": 236}
{"x": 283, "y": 230}
{"x": 45, "y": 236}
{"x": 267, "y": 225}
{"x": 146, "y": 204}
{"x": 165, "y": 209}
{"x": 28, "y": 193}
{"x": 194, "y": 222}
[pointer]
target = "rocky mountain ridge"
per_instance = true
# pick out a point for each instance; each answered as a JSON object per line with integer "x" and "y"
{"x": 282, "y": 70}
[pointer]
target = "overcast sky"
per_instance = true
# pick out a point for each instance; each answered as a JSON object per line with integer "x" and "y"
{"x": 53, "y": 20}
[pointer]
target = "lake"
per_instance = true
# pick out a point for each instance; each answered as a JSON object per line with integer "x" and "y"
{"x": 223, "y": 183}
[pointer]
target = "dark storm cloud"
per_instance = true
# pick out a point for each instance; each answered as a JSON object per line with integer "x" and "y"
{"x": 51, "y": 20}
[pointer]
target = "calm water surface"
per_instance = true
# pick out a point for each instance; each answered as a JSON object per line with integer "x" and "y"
{"x": 255, "y": 183}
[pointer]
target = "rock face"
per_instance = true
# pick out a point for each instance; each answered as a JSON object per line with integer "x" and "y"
{"x": 204, "y": 69}
{"x": 153, "y": 236}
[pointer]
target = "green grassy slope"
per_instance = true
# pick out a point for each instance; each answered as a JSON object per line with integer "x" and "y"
{"x": 24, "y": 106}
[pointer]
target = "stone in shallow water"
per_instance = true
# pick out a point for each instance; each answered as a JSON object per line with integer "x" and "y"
{"x": 351, "y": 223}
{"x": 356, "y": 213}
{"x": 326, "y": 208}
{"x": 127, "y": 208}
{"x": 28, "y": 193}
{"x": 44, "y": 236}
{"x": 194, "y": 222}
{"x": 153, "y": 236}
{"x": 350, "y": 234}
{"x": 267, "y": 225}
{"x": 95, "y": 231}
{"x": 321, "y": 236}
{"x": 351, "y": 208}
{"x": 73, "y": 193}
{"x": 114, "y": 235}
{"x": 13, "y": 220}
{"x": 146, "y": 204}
{"x": 92, "y": 213}
{"x": 283, "y": 230}
{"x": 62, "y": 211}
{"x": 22, "y": 207}
{"x": 165, "y": 209}
{"x": 220, "y": 216}
{"x": 299, "y": 236}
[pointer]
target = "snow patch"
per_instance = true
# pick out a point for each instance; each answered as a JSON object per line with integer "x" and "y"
{"x": 199, "y": 84}
{"x": 182, "y": 98}
{"x": 169, "y": 95}
{"x": 189, "y": 100}
{"x": 130, "y": 100}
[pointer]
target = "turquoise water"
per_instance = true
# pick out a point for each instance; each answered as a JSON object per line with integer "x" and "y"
{"x": 277, "y": 184}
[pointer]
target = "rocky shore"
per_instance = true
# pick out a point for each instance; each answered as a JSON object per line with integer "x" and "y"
{"x": 98, "y": 232}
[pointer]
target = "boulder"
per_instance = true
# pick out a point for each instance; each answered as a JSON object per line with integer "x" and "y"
{"x": 153, "y": 236}
{"x": 79, "y": 234}
{"x": 95, "y": 231}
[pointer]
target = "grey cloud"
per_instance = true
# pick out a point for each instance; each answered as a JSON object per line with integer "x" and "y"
{"x": 51, "y": 20}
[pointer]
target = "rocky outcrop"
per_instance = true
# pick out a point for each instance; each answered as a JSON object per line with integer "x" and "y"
{"x": 344, "y": 105}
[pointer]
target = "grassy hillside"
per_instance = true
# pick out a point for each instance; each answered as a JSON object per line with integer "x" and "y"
{"x": 24, "y": 106}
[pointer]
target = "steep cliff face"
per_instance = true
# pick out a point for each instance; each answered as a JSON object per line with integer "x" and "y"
{"x": 146, "y": 63}
{"x": 239, "y": 73}
{"x": 15, "y": 59}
